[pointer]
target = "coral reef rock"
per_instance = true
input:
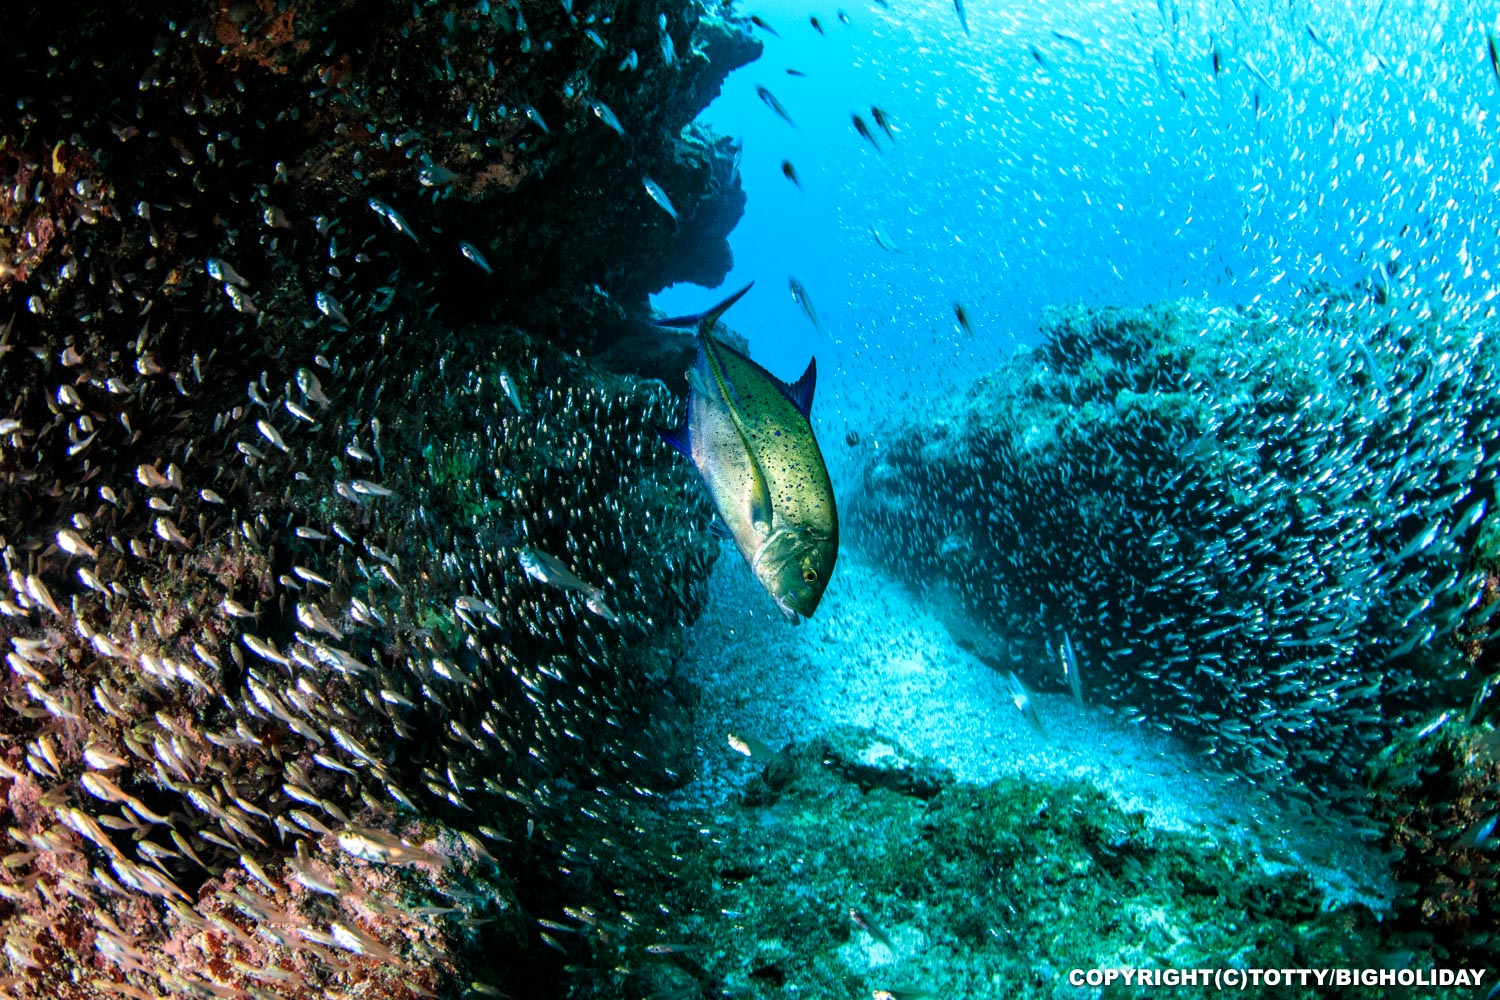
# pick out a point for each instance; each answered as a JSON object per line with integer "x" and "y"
{"x": 1438, "y": 791}
{"x": 334, "y": 578}
{"x": 1254, "y": 529}
{"x": 838, "y": 888}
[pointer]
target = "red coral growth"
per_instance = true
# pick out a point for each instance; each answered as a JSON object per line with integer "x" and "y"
{"x": 42, "y": 196}
{"x": 1436, "y": 794}
{"x": 258, "y": 34}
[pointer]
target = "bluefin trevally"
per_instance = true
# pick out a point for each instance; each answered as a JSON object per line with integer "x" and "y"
{"x": 748, "y": 434}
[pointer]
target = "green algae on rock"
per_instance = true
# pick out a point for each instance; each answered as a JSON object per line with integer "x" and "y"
{"x": 981, "y": 891}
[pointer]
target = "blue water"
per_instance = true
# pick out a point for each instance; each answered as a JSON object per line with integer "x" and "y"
{"x": 1118, "y": 170}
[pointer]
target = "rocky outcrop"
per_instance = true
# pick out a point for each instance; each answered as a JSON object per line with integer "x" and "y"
{"x": 1255, "y": 529}
{"x": 335, "y": 578}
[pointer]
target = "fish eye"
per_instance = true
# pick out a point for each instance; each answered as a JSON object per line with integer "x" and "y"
{"x": 809, "y": 575}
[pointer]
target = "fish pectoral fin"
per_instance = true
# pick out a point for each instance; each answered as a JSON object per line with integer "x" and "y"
{"x": 698, "y": 383}
{"x": 760, "y": 499}
{"x": 719, "y": 529}
{"x": 680, "y": 438}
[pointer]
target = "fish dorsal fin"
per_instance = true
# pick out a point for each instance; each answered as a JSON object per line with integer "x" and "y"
{"x": 703, "y": 321}
{"x": 800, "y": 392}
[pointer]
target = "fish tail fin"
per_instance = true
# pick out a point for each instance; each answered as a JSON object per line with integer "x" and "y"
{"x": 704, "y": 320}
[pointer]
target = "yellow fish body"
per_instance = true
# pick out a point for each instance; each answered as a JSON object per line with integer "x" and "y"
{"x": 750, "y": 437}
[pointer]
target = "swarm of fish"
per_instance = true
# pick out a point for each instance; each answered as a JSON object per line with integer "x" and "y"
{"x": 1260, "y": 543}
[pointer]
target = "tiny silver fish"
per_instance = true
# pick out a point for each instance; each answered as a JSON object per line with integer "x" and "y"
{"x": 1023, "y": 700}
{"x": 308, "y": 382}
{"x": 546, "y": 569}
{"x": 392, "y": 216}
{"x": 508, "y": 384}
{"x": 271, "y": 434}
{"x": 472, "y": 254}
{"x": 329, "y": 306}
{"x": 1070, "y": 670}
{"x": 660, "y": 197}
{"x": 72, "y": 543}
{"x": 605, "y": 115}
{"x": 221, "y": 270}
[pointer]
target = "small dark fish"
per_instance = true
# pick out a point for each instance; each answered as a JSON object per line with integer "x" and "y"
{"x": 1218, "y": 66}
{"x": 963, "y": 19}
{"x": 795, "y": 72}
{"x": 1037, "y": 55}
{"x": 790, "y": 172}
{"x": 1494, "y": 56}
{"x": 1071, "y": 39}
{"x": 882, "y": 121}
{"x": 799, "y": 296}
{"x": 864, "y": 130}
{"x": 1318, "y": 40}
{"x": 882, "y": 4}
{"x": 771, "y": 102}
{"x": 852, "y": 439}
{"x": 816, "y": 26}
{"x": 763, "y": 26}
{"x": 844, "y": 16}
{"x": 962, "y": 315}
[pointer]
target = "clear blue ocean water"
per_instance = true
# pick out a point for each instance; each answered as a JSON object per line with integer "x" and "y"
{"x": 1064, "y": 153}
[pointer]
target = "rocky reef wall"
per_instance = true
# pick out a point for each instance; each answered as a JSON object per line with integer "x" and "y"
{"x": 1256, "y": 530}
{"x": 295, "y": 300}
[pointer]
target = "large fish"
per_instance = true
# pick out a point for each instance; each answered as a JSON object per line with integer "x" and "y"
{"x": 748, "y": 434}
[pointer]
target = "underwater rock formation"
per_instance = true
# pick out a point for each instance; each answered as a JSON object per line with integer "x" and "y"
{"x": 334, "y": 577}
{"x": 1438, "y": 791}
{"x": 836, "y": 888}
{"x": 1255, "y": 530}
